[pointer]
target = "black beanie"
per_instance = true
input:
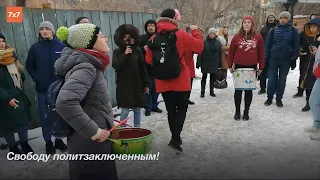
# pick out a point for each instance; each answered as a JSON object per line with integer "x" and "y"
{"x": 169, "y": 13}
{"x": 2, "y": 36}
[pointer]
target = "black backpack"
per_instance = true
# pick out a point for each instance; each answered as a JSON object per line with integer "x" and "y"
{"x": 166, "y": 60}
{"x": 58, "y": 126}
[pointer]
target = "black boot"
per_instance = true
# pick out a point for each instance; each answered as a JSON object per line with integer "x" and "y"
{"x": 50, "y": 148}
{"x": 190, "y": 102}
{"x": 245, "y": 115}
{"x": 26, "y": 148}
{"x": 268, "y": 102}
{"x": 202, "y": 94}
{"x": 306, "y": 108}
{"x": 262, "y": 91}
{"x": 59, "y": 144}
{"x": 299, "y": 93}
{"x": 237, "y": 115}
{"x": 175, "y": 145}
{"x": 147, "y": 113}
{"x": 212, "y": 88}
{"x": 15, "y": 150}
{"x": 157, "y": 110}
{"x": 279, "y": 103}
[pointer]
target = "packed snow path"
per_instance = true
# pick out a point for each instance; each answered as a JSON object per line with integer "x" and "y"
{"x": 272, "y": 144}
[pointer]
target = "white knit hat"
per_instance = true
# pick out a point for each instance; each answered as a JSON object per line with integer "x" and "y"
{"x": 285, "y": 14}
{"x": 213, "y": 30}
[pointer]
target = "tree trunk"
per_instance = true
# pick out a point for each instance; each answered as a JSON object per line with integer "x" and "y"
{"x": 22, "y": 3}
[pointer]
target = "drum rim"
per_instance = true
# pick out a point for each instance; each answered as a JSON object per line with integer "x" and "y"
{"x": 138, "y": 138}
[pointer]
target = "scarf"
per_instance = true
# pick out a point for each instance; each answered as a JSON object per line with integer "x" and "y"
{"x": 14, "y": 67}
{"x": 103, "y": 57}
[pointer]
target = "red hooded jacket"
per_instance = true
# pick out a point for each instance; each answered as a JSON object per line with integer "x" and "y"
{"x": 185, "y": 43}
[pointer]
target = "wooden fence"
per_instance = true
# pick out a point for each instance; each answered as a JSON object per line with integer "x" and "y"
{"x": 22, "y": 35}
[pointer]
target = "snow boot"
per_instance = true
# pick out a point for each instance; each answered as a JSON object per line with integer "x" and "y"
{"x": 299, "y": 93}
{"x": 279, "y": 103}
{"x": 175, "y": 146}
{"x": 306, "y": 108}
{"x": 315, "y": 137}
{"x": 26, "y": 148}
{"x": 268, "y": 102}
{"x": 245, "y": 115}
{"x": 262, "y": 91}
{"x": 50, "y": 148}
{"x": 59, "y": 144}
{"x": 147, "y": 113}
{"x": 312, "y": 130}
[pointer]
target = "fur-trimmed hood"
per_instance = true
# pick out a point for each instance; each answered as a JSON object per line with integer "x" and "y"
{"x": 315, "y": 21}
{"x": 126, "y": 29}
{"x": 166, "y": 24}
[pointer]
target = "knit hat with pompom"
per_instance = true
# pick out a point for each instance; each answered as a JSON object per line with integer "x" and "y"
{"x": 79, "y": 35}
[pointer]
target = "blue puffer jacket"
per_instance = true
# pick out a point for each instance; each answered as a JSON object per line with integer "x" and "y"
{"x": 40, "y": 62}
{"x": 282, "y": 43}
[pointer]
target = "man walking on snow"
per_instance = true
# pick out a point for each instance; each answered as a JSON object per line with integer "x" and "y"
{"x": 281, "y": 51}
{"x": 270, "y": 23}
{"x": 152, "y": 97}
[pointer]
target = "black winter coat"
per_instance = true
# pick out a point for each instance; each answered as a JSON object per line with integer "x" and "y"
{"x": 131, "y": 72}
{"x": 211, "y": 57}
{"x": 144, "y": 41}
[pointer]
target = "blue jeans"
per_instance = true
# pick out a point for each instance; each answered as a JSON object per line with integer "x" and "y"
{"x": 136, "y": 116}
{"x": 277, "y": 78}
{"x": 152, "y": 96}
{"x": 23, "y": 136}
{"x": 314, "y": 102}
{"x": 46, "y": 132}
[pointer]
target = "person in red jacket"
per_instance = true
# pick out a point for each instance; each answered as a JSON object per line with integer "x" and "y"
{"x": 246, "y": 51}
{"x": 175, "y": 91}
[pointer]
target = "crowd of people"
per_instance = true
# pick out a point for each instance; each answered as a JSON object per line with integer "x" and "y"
{"x": 159, "y": 61}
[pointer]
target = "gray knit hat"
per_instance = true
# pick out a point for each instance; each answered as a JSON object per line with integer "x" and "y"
{"x": 213, "y": 30}
{"x": 79, "y": 35}
{"x": 47, "y": 24}
{"x": 285, "y": 14}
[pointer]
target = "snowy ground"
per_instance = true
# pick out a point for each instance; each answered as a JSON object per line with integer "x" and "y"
{"x": 271, "y": 145}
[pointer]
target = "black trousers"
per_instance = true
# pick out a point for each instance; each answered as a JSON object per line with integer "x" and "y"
{"x": 213, "y": 77}
{"x": 191, "y": 88}
{"x": 263, "y": 79}
{"x": 247, "y": 95}
{"x": 177, "y": 106}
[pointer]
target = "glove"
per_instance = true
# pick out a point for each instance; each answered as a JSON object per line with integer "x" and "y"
{"x": 293, "y": 65}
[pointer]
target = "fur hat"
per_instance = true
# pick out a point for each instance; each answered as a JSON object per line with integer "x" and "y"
{"x": 213, "y": 30}
{"x": 285, "y": 14}
{"x": 80, "y": 35}
{"x": 126, "y": 29}
{"x": 47, "y": 24}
